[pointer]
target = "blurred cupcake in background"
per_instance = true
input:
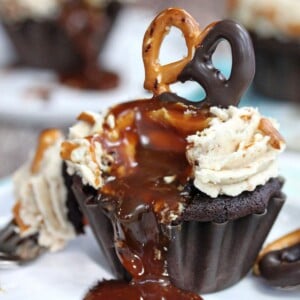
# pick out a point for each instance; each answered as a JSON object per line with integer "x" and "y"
{"x": 275, "y": 29}
{"x": 62, "y": 35}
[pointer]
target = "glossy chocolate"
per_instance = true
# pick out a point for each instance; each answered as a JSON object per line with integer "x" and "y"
{"x": 219, "y": 90}
{"x": 282, "y": 267}
{"x": 142, "y": 195}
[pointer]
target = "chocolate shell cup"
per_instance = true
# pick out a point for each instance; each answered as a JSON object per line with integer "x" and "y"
{"x": 277, "y": 67}
{"x": 209, "y": 250}
{"x": 46, "y": 44}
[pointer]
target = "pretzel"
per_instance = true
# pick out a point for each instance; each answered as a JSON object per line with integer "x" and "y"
{"x": 158, "y": 77}
{"x": 198, "y": 65}
{"x": 288, "y": 240}
{"x": 47, "y": 138}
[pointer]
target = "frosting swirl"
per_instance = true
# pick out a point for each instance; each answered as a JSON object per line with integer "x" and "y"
{"x": 235, "y": 153}
{"x": 41, "y": 196}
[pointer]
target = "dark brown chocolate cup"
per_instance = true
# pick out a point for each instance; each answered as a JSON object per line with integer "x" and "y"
{"x": 202, "y": 257}
{"x": 277, "y": 67}
{"x": 45, "y": 44}
{"x": 206, "y": 257}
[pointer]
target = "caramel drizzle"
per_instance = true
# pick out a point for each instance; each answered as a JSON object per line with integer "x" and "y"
{"x": 17, "y": 218}
{"x": 47, "y": 139}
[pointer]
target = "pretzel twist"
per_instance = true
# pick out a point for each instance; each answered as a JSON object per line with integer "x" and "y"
{"x": 287, "y": 240}
{"x": 158, "y": 77}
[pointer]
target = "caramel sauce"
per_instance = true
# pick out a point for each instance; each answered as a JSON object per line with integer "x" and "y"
{"x": 17, "y": 218}
{"x": 142, "y": 195}
{"x": 86, "y": 27}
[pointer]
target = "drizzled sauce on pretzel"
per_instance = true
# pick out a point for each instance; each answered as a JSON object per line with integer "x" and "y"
{"x": 142, "y": 192}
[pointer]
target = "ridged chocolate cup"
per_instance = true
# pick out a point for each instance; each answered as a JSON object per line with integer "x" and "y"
{"x": 203, "y": 257}
{"x": 206, "y": 257}
{"x": 44, "y": 43}
{"x": 277, "y": 68}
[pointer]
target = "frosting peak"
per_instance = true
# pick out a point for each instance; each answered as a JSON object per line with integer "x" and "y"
{"x": 236, "y": 153}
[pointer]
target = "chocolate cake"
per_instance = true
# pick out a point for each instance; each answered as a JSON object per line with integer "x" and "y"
{"x": 179, "y": 193}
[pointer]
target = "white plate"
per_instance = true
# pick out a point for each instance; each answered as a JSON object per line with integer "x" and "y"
{"x": 68, "y": 274}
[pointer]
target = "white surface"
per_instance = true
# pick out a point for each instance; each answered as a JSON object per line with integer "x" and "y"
{"x": 68, "y": 274}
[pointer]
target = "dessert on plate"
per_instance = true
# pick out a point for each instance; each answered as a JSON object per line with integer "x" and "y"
{"x": 62, "y": 35}
{"x": 45, "y": 209}
{"x": 179, "y": 193}
{"x": 279, "y": 262}
{"x": 274, "y": 26}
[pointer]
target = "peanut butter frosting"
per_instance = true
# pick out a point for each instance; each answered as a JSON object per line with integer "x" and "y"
{"x": 236, "y": 153}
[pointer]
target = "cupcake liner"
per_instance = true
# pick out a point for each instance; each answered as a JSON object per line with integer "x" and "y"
{"x": 101, "y": 226}
{"x": 202, "y": 257}
{"x": 277, "y": 68}
{"x": 208, "y": 257}
{"x": 45, "y": 44}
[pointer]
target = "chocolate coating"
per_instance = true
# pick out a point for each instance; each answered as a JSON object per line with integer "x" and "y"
{"x": 282, "y": 267}
{"x": 219, "y": 90}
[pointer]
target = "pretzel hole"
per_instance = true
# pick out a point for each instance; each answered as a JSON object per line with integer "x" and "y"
{"x": 222, "y": 58}
{"x": 173, "y": 47}
{"x": 189, "y": 90}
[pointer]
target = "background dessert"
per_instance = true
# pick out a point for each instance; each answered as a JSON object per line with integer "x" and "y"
{"x": 275, "y": 30}
{"x": 65, "y": 36}
{"x": 44, "y": 205}
{"x": 170, "y": 187}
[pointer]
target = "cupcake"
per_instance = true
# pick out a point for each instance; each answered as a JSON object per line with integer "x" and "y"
{"x": 65, "y": 36}
{"x": 178, "y": 193}
{"x": 275, "y": 31}
{"x": 45, "y": 207}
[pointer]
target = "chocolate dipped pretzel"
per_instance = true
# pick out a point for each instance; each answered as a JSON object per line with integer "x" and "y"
{"x": 197, "y": 65}
{"x": 279, "y": 262}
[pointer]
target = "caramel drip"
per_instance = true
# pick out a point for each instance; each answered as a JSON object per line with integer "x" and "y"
{"x": 47, "y": 139}
{"x": 142, "y": 195}
{"x": 17, "y": 218}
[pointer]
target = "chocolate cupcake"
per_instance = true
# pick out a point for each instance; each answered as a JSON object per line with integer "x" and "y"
{"x": 65, "y": 36}
{"x": 180, "y": 192}
{"x": 275, "y": 31}
{"x": 45, "y": 207}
